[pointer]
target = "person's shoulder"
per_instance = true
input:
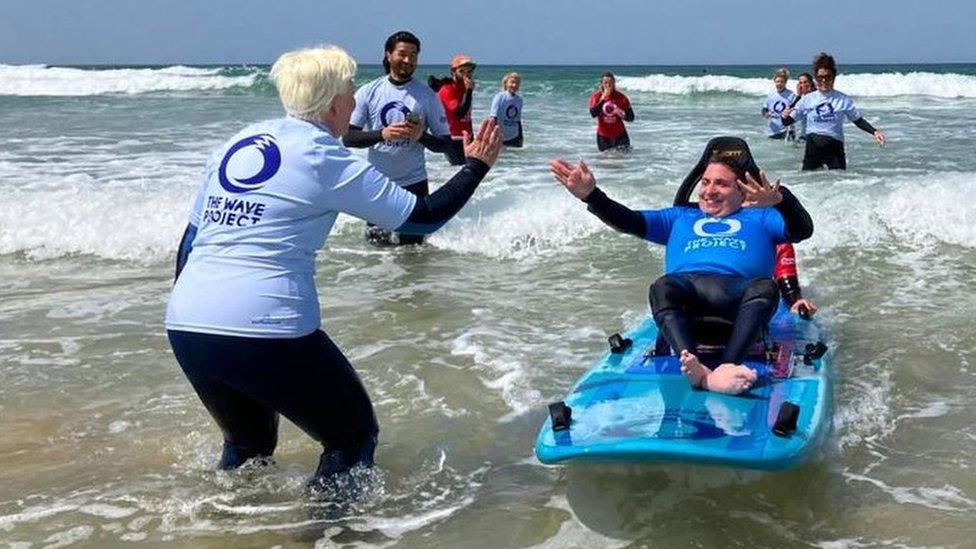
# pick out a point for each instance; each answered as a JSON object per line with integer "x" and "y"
{"x": 621, "y": 95}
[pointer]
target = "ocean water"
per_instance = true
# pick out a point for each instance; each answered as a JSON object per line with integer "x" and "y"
{"x": 462, "y": 342}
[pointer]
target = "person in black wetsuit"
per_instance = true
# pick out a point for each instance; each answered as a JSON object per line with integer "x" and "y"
{"x": 824, "y": 111}
{"x": 719, "y": 258}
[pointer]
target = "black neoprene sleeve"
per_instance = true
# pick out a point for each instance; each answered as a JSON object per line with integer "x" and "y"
{"x": 865, "y": 125}
{"x": 357, "y": 138}
{"x": 799, "y": 225}
{"x": 434, "y": 210}
{"x": 615, "y": 214}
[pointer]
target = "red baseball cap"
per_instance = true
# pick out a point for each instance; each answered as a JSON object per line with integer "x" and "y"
{"x": 461, "y": 60}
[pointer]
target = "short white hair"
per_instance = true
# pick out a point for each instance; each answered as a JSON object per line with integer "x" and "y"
{"x": 308, "y": 79}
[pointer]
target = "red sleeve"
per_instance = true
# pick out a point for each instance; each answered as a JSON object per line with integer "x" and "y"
{"x": 594, "y": 99}
{"x": 447, "y": 98}
{"x": 785, "y": 261}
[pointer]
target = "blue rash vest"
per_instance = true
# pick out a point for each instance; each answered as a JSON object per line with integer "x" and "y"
{"x": 507, "y": 110}
{"x": 825, "y": 112}
{"x": 775, "y": 102}
{"x": 265, "y": 207}
{"x": 741, "y": 244}
{"x": 380, "y": 103}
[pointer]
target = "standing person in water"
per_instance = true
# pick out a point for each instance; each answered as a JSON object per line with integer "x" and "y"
{"x": 506, "y": 109}
{"x": 824, "y": 112}
{"x": 244, "y": 317}
{"x": 456, "y": 94}
{"x": 804, "y": 85}
{"x": 775, "y": 103}
{"x": 611, "y": 108}
{"x": 396, "y": 117}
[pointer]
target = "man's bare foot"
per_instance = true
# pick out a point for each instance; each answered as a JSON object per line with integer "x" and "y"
{"x": 693, "y": 369}
{"x": 731, "y": 379}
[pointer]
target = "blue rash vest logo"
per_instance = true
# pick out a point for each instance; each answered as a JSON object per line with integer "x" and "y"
{"x": 393, "y": 107}
{"x": 511, "y": 112}
{"x": 713, "y": 226}
{"x": 778, "y": 106}
{"x": 270, "y": 162}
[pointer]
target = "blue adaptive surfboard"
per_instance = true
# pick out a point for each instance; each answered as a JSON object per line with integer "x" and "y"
{"x": 637, "y": 407}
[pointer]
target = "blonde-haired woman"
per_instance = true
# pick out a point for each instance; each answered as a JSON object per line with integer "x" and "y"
{"x": 506, "y": 109}
{"x": 775, "y": 103}
{"x": 243, "y": 318}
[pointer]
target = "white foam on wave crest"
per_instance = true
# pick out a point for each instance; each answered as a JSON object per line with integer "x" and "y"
{"x": 546, "y": 223}
{"x": 890, "y": 84}
{"x": 138, "y": 221}
{"x": 920, "y": 211}
{"x": 41, "y": 80}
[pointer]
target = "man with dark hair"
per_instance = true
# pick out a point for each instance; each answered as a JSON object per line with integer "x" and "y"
{"x": 396, "y": 117}
{"x": 611, "y": 108}
{"x": 719, "y": 258}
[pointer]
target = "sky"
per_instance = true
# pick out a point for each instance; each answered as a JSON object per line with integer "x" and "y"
{"x": 559, "y": 32}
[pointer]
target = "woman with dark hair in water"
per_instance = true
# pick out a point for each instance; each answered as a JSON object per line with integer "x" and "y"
{"x": 824, "y": 111}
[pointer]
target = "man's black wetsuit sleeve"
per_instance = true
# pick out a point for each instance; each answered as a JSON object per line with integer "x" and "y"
{"x": 865, "y": 125}
{"x": 595, "y": 109}
{"x": 433, "y": 211}
{"x": 358, "y": 139}
{"x": 435, "y": 143}
{"x": 799, "y": 225}
{"x": 629, "y": 115}
{"x": 615, "y": 214}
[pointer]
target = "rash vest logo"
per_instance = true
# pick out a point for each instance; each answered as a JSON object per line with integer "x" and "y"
{"x": 394, "y": 112}
{"x": 712, "y": 226}
{"x": 270, "y": 161}
{"x": 511, "y": 112}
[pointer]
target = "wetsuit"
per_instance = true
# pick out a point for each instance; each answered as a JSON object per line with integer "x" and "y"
{"x": 457, "y": 105}
{"x": 713, "y": 266}
{"x": 824, "y": 114}
{"x": 773, "y": 105}
{"x": 506, "y": 108}
{"x": 610, "y": 130}
{"x": 383, "y": 102}
{"x": 243, "y": 318}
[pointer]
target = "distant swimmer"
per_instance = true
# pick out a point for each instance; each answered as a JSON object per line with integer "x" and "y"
{"x": 824, "y": 111}
{"x": 456, "y": 94}
{"x": 244, "y": 317}
{"x": 775, "y": 103}
{"x": 611, "y": 108}
{"x": 506, "y": 109}
{"x": 396, "y": 117}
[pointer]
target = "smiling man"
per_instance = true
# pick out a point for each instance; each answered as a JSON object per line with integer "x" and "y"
{"x": 719, "y": 258}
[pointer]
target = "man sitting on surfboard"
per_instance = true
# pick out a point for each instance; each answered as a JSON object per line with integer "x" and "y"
{"x": 719, "y": 255}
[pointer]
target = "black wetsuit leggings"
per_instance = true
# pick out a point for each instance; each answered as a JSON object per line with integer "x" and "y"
{"x": 603, "y": 143}
{"x": 245, "y": 382}
{"x": 823, "y": 150}
{"x": 748, "y": 304}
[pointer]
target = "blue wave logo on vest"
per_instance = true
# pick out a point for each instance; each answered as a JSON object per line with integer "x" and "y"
{"x": 270, "y": 162}
{"x": 394, "y": 107}
{"x": 712, "y": 226}
{"x": 779, "y": 106}
{"x": 825, "y": 112}
{"x": 511, "y": 112}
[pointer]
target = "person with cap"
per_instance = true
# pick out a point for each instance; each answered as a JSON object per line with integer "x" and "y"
{"x": 396, "y": 117}
{"x": 456, "y": 95}
{"x": 244, "y": 316}
{"x": 611, "y": 108}
{"x": 719, "y": 257}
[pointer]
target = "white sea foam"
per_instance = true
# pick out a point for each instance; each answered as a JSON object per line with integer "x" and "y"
{"x": 864, "y": 85}
{"x": 41, "y": 80}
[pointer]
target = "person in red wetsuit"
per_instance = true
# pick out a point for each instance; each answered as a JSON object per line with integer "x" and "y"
{"x": 789, "y": 285}
{"x": 611, "y": 108}
{"x": 455, "y": 94}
